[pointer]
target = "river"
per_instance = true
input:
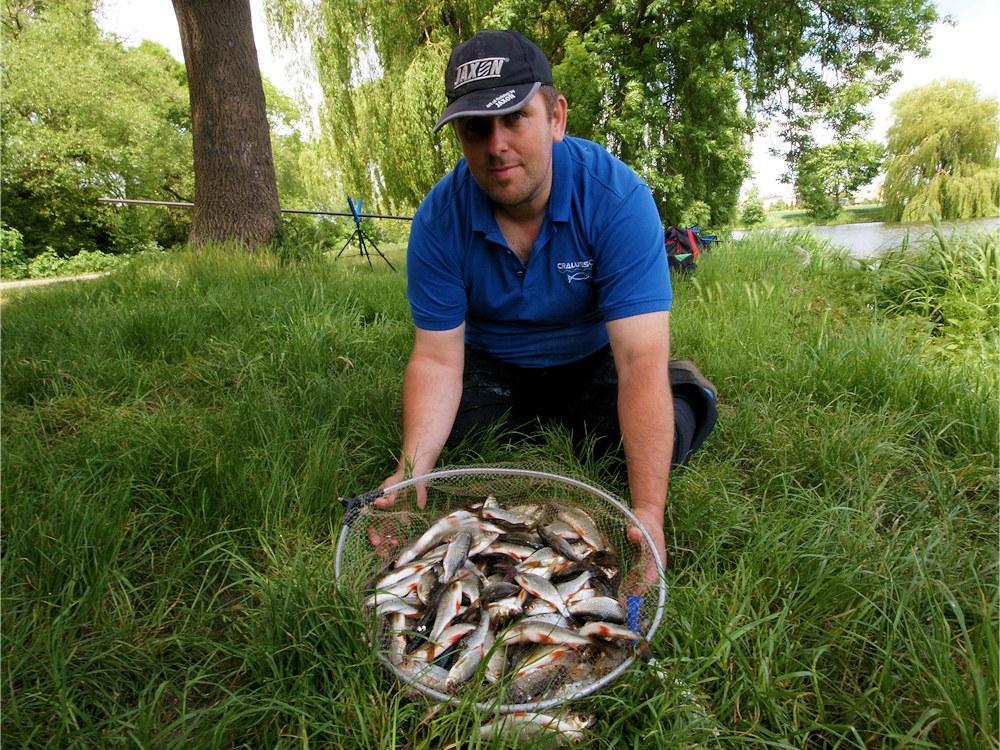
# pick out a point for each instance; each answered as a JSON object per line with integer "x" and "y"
{"x": 868, "y": 240}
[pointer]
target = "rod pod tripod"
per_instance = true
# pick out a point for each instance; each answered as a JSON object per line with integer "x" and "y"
{"x": 363, "y": 239}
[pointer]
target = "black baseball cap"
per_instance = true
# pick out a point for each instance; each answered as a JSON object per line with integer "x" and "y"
{"x": 493, "y": 73}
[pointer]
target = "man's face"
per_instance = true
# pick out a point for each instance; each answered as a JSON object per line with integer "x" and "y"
{"x": 510, "y": 156}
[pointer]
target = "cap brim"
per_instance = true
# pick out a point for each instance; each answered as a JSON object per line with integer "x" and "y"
{"x": 489, "y": 102}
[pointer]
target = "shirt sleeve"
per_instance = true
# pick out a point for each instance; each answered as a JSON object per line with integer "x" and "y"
{"x": 632, "y": 276}
{"x": 435, "y": 283}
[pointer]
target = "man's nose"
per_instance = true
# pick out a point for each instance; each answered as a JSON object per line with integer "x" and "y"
{"x": 498, "y": 138}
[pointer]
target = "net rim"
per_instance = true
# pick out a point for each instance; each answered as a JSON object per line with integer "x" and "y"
{"x": 468, "y": 471}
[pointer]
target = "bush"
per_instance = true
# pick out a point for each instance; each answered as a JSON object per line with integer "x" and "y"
{"x": 48, "y": 264}
{"x": 752, "y": 210}
{"x": 697, "y": 214}
{"x": 13, "y": 264}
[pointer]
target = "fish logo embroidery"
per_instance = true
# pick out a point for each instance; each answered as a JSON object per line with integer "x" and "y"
{"x": 579, "y": 270}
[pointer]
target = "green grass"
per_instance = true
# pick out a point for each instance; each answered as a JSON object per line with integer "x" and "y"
{"x": 176, "y": 436}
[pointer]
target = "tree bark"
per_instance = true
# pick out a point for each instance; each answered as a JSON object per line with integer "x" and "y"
{"x": 235, "y": 189}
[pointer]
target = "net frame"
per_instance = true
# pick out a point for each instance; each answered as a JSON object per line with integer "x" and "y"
{"x": 362, "y": 507}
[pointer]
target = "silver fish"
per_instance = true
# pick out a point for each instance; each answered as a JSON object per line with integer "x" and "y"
{"x": 601, "y": 608}
{"x": 401, "y": 574}
{"x": 517, "y": 552}
{"x": 568, "y": 588}
{"x": 389, "y": 602}
{"x": 558, "y": 543}
{"x": 543, "y": 589}
{"x": 584, "y": 525}
{"x": 503, "y": 609}
{"x": 471, "y": 586}
{"x": 547, "y": 618}
{"x": 453, "y": 523}
{"x": 456, "y": 555}
{"x": 588, "y": 592}
{"x": 614, "y": 632}
{"x": 481, "y": 541}
{"x": 545, "y": 559}
{"x": 537, "y": 607}
{"x": 520, "y": 724}
{"x": 448, "y": 608}
{"x": 535, "y": 632}
{"x": 496, "y": 658}
{"x": 544, "y": 656}
{"x": 427, "y": 674}
{"x": 507, "y": 518}
{"x": 610, "y": 631}
{"x": 426, "y": 585}
{"x": 472, "y": 654}
{"x": 451, "y": 635}
{"x": 397, "y": 637}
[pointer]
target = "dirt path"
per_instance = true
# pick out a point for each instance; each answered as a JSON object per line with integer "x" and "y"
{"x": 21, "y": 283}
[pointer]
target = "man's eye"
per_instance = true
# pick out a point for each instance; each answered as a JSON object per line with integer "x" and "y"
{"x": 513, "y": 117}
{"x": 476, "y": 128}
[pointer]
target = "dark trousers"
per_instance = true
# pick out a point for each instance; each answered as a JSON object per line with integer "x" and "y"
{"x": 582, "y": 396}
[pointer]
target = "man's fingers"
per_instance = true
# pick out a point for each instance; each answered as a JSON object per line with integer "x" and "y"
{"x": 650, "y": 571}
{"x": 388, "y": 498}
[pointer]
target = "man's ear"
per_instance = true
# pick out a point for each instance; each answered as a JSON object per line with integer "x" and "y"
{"x": 559, "y": 119}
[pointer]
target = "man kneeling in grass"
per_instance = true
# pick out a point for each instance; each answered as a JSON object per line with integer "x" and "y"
{"x": 539, "y": 287}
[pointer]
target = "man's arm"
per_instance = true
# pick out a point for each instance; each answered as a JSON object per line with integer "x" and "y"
{"x": 432, "y": 390}
{"x": 641, "y": 346}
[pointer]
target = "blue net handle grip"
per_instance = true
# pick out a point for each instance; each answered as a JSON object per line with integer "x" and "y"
{"x": 633, "y": 604}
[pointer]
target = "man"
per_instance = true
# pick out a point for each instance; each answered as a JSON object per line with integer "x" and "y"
{"x": 539, "y": 286}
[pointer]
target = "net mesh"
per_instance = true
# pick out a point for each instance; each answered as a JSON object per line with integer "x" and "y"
{"x": 522, "y": 676}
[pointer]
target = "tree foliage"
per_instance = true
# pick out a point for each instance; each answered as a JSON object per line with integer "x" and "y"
{"x": 83, "y": 118}
{"x": 673, "y": 87}
{"x": 825, "y": 176}
{"x": 943, "y": 154}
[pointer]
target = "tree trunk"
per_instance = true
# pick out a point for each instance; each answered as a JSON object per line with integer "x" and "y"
{"x": 235, "y": 190}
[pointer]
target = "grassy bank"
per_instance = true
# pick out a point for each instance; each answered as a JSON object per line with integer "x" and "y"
{"x": 801, "y": 218}
{"x": 175, "y": 437}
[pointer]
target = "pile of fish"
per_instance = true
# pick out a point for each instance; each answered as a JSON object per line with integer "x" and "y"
{"x": 527, "y": 593}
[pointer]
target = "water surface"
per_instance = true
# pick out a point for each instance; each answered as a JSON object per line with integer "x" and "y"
{"x": 868, "y": 240}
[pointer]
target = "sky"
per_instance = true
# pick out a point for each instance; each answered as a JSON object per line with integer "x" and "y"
{"x": 970, "y": 50}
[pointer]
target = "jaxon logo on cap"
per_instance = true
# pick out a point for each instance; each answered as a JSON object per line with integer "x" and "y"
{"x": 477, "y": 70}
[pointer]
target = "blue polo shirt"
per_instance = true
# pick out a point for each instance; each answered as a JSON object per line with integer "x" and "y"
{"x": 599, "y": 256}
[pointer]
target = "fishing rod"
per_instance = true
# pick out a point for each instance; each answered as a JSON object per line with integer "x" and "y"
{"x": 182, "y": 204}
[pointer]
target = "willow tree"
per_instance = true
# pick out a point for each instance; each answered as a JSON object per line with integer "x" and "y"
{"x": 673, "y": 87}
{"x": 943, "y": 154}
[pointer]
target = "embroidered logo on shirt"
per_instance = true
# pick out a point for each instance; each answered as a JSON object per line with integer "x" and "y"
{"x": 578, "y": 270}
{"x": 477, "y": 70}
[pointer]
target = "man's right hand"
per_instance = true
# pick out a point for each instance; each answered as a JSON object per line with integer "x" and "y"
{"x": 390, "y": 498}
